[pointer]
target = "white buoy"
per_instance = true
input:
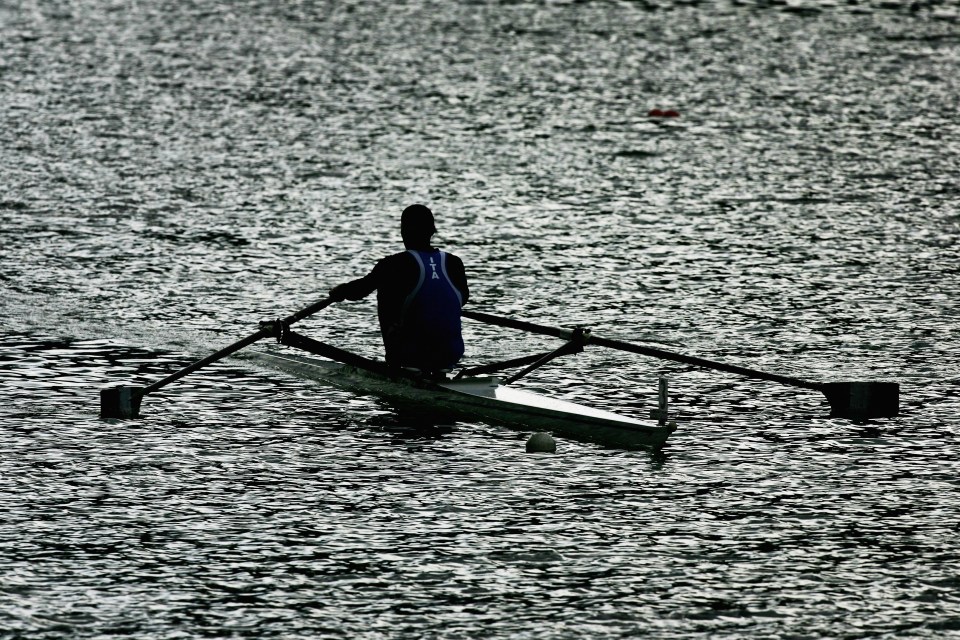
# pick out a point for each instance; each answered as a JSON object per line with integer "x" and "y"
{"x": 541, "y": 443}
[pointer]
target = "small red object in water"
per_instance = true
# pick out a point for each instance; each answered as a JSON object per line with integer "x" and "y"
{"x": 657, "y": 113}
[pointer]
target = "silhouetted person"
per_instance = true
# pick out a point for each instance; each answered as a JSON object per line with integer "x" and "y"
{"x": 420, "y": 292}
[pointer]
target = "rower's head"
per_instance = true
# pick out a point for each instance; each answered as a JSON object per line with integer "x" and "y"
{"x": 417, "y": 226}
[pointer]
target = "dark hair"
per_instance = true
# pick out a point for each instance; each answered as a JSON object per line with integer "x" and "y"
{"x": 417, "y": 220}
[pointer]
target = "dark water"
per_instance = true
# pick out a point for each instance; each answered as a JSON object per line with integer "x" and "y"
{"x": 173, "y": 172}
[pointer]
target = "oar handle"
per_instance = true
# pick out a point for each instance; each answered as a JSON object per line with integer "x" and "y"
{"x": 511, "y": 323}
{"x": 567, "y": 334}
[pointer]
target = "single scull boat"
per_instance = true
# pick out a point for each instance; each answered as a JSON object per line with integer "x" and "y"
{"x": 478, "y": 398}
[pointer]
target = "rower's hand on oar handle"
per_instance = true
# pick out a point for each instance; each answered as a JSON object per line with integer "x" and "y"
{"x": 338, "y": 293}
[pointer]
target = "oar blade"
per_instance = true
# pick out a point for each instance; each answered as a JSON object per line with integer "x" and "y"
{"x": 862, "y": 400}
{"x": 121, "y": 402}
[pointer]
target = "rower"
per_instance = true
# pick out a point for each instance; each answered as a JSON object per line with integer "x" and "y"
{"x": 420, "y": 292}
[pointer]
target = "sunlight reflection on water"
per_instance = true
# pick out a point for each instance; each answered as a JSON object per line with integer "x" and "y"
{"x": 175, "y": 173}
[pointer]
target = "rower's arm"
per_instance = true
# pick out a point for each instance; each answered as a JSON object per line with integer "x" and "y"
{"x": 458, "y": 276}
{"x": 355, "y": 289}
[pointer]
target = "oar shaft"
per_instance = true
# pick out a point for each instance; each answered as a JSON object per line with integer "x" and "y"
{"x": 123, "y": 401}
{"x": 703, "y": 362}
{"x": 236, "y": 346}
{"x": 567, "y": 334}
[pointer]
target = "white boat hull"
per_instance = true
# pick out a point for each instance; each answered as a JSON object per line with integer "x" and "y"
{"x": 482, "y": 398}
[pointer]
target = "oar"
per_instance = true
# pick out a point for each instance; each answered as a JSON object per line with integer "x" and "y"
{"x": 856, "y": 400}
{"x": 123, "y": 401}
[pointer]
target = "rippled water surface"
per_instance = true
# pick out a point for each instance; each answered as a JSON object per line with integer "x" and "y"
{"x": 173, "y": 172}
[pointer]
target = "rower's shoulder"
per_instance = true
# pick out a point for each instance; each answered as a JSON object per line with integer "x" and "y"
{"x": 404, "y": 258}
{"x": 394, "y": 259}
{"x": 450, "y": 255}
{"x": 453, "y": 258}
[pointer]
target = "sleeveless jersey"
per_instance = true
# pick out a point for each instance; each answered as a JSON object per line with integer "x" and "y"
{"x": 430, "y": 336}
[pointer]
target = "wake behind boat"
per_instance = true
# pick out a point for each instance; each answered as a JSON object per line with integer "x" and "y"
{"x": 478, "y": 398}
